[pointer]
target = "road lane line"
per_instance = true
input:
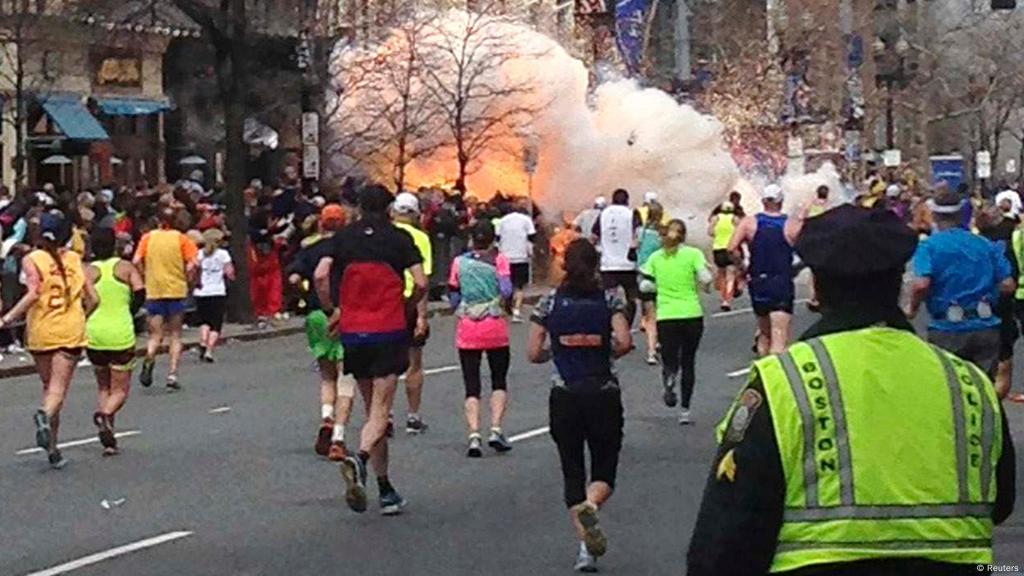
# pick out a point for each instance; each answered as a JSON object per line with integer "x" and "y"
{"x": 73, "y": 443}
{"x": 739, "y": 373}
{"x": 740, "y": 311}
{"x": 221, "y": 410}
{"x": 531, "y": 434}
{"x": 112, "y": 553}
{"x": 441, "y": 370}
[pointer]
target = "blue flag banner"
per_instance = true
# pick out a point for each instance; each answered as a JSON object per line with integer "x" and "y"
{"x": 630, "y": 23}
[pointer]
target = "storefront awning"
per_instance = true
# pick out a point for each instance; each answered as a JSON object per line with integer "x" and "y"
{"x": 73, "y": 119}
{"x": 131, "y": 106}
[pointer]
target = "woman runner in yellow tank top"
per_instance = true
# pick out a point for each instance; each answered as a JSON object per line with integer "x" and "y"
{"x": 57, "y": 300}
{"x": 721, "y": 227}
{"x": 111, "y": 331}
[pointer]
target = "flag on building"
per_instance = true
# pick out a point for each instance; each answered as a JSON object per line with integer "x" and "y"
{"x": 630, "y": 27}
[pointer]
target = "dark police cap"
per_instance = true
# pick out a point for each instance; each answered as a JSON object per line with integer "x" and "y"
{"x": 854, "y": 241}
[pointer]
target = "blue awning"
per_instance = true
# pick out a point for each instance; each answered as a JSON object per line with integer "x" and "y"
{"x": 131, "y": 106}
{"x": 73, "y": 119}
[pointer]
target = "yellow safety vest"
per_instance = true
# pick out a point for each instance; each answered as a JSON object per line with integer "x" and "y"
{"x": 889, "y": 449}
{"x": 1018, "y": 253}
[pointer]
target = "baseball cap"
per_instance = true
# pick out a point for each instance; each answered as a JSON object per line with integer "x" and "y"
{"x": 650, "y": 197}
{"x": 51, "y": 226}
{"x": 332, "y": 213}
{"x": 772, "y": 193}
{"x": 406, "y": 203}
{"x": 893, "y": 191}
{"x": 600, "y": 202}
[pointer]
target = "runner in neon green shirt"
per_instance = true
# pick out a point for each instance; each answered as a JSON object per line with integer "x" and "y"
{"x": 676, "y": 272}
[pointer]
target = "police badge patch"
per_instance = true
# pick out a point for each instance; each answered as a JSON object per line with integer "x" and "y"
{"x": 746, "y": 407}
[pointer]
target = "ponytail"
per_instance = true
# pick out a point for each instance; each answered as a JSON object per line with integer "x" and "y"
{"x": 581, "y": 262}
{"x": 50, "y": 247}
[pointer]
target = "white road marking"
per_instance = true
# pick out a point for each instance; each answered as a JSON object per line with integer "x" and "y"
{"x": 531, "y": 434}
{"x": 740, "y": 311}
{"x": 112, "y": 553}
{"x": 441, "y": 370}
{"x": 73, "y": 443}
{"x": 221, "y": 410}
{"x": 739, "y": 373}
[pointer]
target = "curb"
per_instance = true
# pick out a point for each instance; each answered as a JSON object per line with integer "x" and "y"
{"x": 441, "y": 311}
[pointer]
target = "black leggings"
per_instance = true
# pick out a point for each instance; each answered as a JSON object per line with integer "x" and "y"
{"x": 594, "y": 419}
{"x": 679, "y": 340}
{"x": 497, "y": 358}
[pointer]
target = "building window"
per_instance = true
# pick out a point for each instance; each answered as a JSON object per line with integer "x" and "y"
{"x": 51, "y": 64}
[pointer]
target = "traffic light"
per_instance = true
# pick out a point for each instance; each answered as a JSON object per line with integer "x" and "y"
{"x": 1004, "y": 4}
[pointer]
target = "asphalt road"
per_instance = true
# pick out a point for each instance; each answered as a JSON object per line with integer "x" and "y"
{"x": 221, "y": 479}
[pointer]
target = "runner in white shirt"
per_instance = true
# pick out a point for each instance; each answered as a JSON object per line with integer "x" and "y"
{"x": 616, "y": 234}
{"x": 211, "y": 294}
{"x": 516, "y": 233}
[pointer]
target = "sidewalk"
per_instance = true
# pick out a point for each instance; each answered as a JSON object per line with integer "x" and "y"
{"x": 13, "y": 365}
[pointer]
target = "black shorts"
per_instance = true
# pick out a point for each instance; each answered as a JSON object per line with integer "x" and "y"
{"x": 772, "y": 294}
{"x": 520, "y": 275}
{"x": 112, "y": 358}
{"x": 1009, "y": 332}
{"x": 210, "y": 310}
{"x": 625, "y": 279}
{"x": 722, "y": 258}
{"x": 410, "y": 324}
{"x": 367, "y": 361}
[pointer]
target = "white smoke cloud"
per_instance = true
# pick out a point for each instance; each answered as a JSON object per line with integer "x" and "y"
{"x": 622, "y": 136}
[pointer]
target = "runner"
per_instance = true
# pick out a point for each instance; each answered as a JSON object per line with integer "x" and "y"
{"x": 478, "y": 290}
{"x": 407, "y": 216}
{"x": 370, "y": 258}
{"x": 721, "y": 228}
{"x": 216, "y": 270}
{"x": 167, "y": 259}
{"x": 336, "y": 390}
{"x": 675, "y": 273}
{"x": 516, "y": 234}
{"x": 57, "y": 300}
{"x": 588, "y": 328}
{"x": 770, "y": 235}
{"x": 111, "y": 331}
{"x": 649, "y": 242}
{"x": 616, "y": 233}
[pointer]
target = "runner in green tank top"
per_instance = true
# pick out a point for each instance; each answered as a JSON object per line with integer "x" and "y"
{"x": 721, "y": 227}
{"x": 111, "y": 332}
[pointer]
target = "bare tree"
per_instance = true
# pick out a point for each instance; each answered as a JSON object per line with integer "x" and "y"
{"x": 383, "y": 112}
{"x": 479, "y": 107}
{"x": 27, "y": 72}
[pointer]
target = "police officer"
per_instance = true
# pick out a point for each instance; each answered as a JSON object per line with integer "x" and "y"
{"x": 862, "y": 449}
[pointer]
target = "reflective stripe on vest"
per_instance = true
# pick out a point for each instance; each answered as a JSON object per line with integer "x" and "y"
{"x": 824, "y": 519}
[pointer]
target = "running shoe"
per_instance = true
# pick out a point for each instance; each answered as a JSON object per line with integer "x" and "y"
{"x": 208, "y": 357}
{"x": 652, "y": 358}
{"x": 43, "y": 431}
{"x": 593, "y": 537}
{"x": 684, "y": 417}
{"x": 353, "y": 471}
{"x": 585, "y": 562}
{"x": 337, "y": 452}
{"x": 391, "y": 503}
{"x": 57, "y": 460}
{"x": 172, "y": 383}
{"x": 498, "y": 441}
{"x": 475, "y": 449}
{"x": 415, "y": 426}
{"x": 323, "y": 437}
{"x": 726, "y": 307}
{"x": 517, "y": 317}
{"x": 106, "y": 433}
{"x": 670, "y": 397}
{"x": 146, "y": 375}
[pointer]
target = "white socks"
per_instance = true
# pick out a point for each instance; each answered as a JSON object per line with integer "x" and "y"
{"x": 326, "y": 412}
{"x": 339, "y": 433}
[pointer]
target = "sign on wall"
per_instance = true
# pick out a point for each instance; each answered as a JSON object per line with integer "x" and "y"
{"x": 118, "y": 70}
